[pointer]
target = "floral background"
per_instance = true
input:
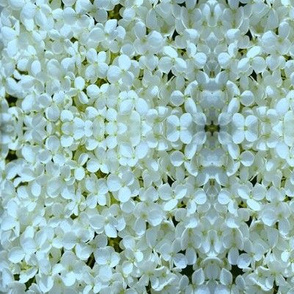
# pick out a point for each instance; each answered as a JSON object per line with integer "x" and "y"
{"x": 146, "y": 146}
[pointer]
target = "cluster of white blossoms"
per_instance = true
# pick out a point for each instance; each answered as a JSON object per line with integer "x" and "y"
{"x": 147, "y": 146}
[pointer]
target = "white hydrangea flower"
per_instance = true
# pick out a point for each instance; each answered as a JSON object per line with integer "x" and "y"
{"x": 245, "y": 128}
{"x": 179, "y": 128}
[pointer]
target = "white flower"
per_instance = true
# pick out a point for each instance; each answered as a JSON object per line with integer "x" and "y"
{"x": 105, "y": 222}
{"x": 98, "y": 65}
{"x": 253, "y": 60}
{"x": 106, "y": 34}
{"x": 252, "y": 195}
{"x": 179, "y": 128}
{"x": 107, "y": 256}
{"x": 171, "y": 61}
{"x": 121, "y": 71}
{"x": 69, "y": 268}
{"x": 60, "y": 74}
{"x": 244, "y": 128}
{"x": 225, "y": 59}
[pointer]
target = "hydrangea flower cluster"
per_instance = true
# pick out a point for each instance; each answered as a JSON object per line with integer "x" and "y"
{"x": 147, "y": 146}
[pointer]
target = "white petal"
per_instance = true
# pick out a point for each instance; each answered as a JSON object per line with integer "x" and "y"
{"x": 113, "y": 73}
{"x": 36, "y": 189}
{"x": 238, "y": 136}
{"x": 140, "y": 30}
{"x": 127, "y": 267}
{"x": 170, "y": 51}
{"x": 253, "y": 204}
{"x": 238, "y": 120}
{"x": 244, "y": 192}
{"x": 225, "y": 277}
{"x": 186, "y": 136}
{"x": 155, "y": 39}
{"x": 180, "y": 260}
{"x": 45, "y": 283}
{"x": 142, "y": 150}
{"x": 126, "y": 106}
{"x": 285, "y": 256}
{"x": 126, "y": 150}
{"x": 198, "y": 277}
{"x": 28, "y": 10}
{"x": 244, "y": 64}
{"x": 177, "y": 158}
{"x": 173, "y": 120}
{"x": 97, "y": 35}
{"x": 113, "y": 183}
{"x": 79, "y": 173}
{"x": 155, "y": 217}
{"x": 273, "y": 20}
{"x": 233, "y": 106}
{"x": 110, "y": 25}
{"x": 247, "y": 98}
{"x": 93, "y": 165}
{"x": 124, "y": 194}
{"x": 171, "y": 204}
{"x": 69, "y": 240}
{"x": 282, "y": 106}
{"x": 284, "y": 226}
{"x": 251, "y": 133}
{"x": 54, "y": 68}
{"x": 124, "y": 62}
{"x": 177, "y": 98}
{"x": 180, "y": 65}
{"x": 79, "y": 83}
{"x": 97, "y": 222}
{"x": 269, "y": 39}
{"x": 68, "y": 279}
{"x": 83, "y": 98}
{"x": 16, "y": 254}
{"x": 200, "y": 59}
{"x": 165, "y": 64}
{"x": 190, "y": 106}
{"x": 233, "y": 255}
{"x": 110, "y": 231}
{"x": 66, "y": 141}
{"x": 83, "y": 252}
{"x": 186, "y": 120}
{"x": 247, "y": 158}
{"x": 140, "y": 226}
{"x": 200, "y": 197}
{"x": 52, "y": 112}
{"x": 45, "y": 100}
{"x": 8, "y": 33}
{"x": 282, "y": 150}
{"x": 191, "y": 256}
{"x": 243, "y": 260}
{"x": 93, "y": 91}
{"x": 233, "y": 150}
{"x": 258, "y": 64}
{"x": 284, "y": 29}
{"x": 224, "y": 59}
{"x": 224, "y": 197}
{"x": 254, "y": 51}
{"x": 7, "y": 223}
{"x": 141, "y": 106}
{"x": 66, "y": 115}
{"x": 36, "y": 67}
{"x": 101, "y": 256}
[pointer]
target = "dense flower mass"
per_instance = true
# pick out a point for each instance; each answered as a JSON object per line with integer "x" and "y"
{"x": 147, "y": 146}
